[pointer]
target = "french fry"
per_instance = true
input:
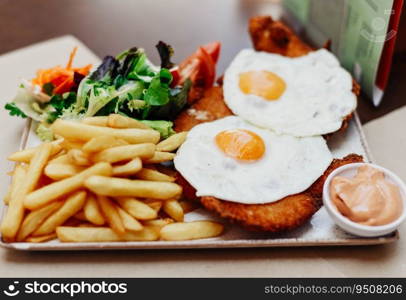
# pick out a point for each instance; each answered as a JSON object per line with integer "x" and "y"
{"x": 130, "y": 168}
{"x": 160, "y": 157}
{"x": 127, "y": 152}
{"x": 68, "y": 145}
{"x": 137, "y": 209}
{"x": 62, "y": 159}
{"x": 96, "y": 121}
{"x": 34, "y": 219}
{"x": 73, "y": 204}
{"x": 118, "y": 187}
{"x": 8, "y": 193}
{"x": 92, "y": 211}
{"x": 83, "y": 132}
{"x": 191, "y": 231}
{"x": 129, "y": 222}
{"x": 78, "y": 157}
{"x": 104, "y": 234}
{"x": 158, "y": 222}
{"x": 119, "y": 121}
{"x": 53, "y": 191}
{"x": 27, "y": 154}
{"x": 18, "y": 177}
{"x": 172, "y": 143}
{"x": 60, "y": 153}
{"x": 152, "y": 175}
{"x": 154, "y": 204}
{"x": 174, "y": 210}
{"x": 72, "y": 191}
{"x": 41, "y": 238}
{"x": 100, "y": 143}
{"x": 15, "y": 212}
{"x": 58, "y": 171}
{"x": 111, "y": 215}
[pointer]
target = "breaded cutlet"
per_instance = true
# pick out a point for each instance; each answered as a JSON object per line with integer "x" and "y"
{"x": 275, "y": 37}
{"x": 209, "y": 108}
{"x": 291, "y": 211}
{"x": 285, "y": 214}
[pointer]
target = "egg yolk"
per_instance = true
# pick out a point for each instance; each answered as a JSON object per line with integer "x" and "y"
{"x": 263, "y": 84}
{"x": 241, "y": 144}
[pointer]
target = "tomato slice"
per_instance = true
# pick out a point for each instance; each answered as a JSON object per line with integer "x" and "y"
{"x": 213, "y": 49}
{"x": 208, "y": 66}
{"x": 175, "y": 76}
{"x": 201, "y": 66}
{"x": 189, "y": 68}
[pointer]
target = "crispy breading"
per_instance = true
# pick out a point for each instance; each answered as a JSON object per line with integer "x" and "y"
{"x": 209, "y": 108}
{"x": 283, "y": 215}
{"x": 289, "y": 212}
{"x": 275, "y": 37}
{"x": 212, "y": 107}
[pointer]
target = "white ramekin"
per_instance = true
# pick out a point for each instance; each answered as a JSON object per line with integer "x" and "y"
{"x": 350, "y": 226}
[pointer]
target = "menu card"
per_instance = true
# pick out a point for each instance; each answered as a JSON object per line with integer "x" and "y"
{"x": 362, "y": 35}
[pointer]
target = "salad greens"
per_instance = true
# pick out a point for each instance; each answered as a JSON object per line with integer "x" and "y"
{"x": 165, "y": 52}
{"x": 128, "y": 84}
{"x": 14, "y": 110}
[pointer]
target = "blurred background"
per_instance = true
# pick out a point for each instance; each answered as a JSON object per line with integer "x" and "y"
{"x": 108, "y": 27}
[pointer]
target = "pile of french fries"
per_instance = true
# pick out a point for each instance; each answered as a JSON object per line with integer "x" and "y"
{"x": 101, "y": 180}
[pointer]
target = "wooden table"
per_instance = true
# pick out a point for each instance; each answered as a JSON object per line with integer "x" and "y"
{"x": 108, "y": 27}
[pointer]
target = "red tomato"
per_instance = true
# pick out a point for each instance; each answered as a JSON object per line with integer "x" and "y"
{"x": 213, "y": 49}
{"x": 207, "y": 66}
{"x": 175, "y": 76}
{"x": 201, "y": 66}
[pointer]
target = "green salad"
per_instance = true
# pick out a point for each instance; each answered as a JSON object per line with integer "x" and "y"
{"x": 128, "y": 84}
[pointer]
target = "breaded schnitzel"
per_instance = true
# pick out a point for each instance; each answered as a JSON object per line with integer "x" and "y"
{"x": 289, "y": 212}
{"x": 275, "y": 37}
{"x": 209, "y": 108}
{"x": 285, "y": 214}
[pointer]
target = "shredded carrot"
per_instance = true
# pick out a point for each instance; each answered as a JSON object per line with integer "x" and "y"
{"x": 71, "y": 57}
{"x": 61, "y": 78}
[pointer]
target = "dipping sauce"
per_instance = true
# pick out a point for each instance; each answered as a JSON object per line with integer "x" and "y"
{"x": 368, "y": 198}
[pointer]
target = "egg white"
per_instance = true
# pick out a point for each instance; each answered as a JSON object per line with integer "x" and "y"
{"x": 289, "y": 166}
{"x": 317, "y": 98}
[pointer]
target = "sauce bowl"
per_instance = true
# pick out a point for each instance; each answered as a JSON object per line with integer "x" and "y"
{"x": 353, "y": 227}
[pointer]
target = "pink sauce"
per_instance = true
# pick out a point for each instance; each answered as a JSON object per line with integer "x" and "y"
{"x": 368, "y": 198}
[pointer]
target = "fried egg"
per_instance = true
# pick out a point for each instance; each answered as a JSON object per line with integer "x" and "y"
{"x": 233, "y": 160}
{"x": 302, "y": 96}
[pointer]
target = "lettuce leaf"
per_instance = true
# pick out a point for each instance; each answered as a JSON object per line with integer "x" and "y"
{"x": 165, "y": 53}
{"x": 44, "y": 133}
{"x": 128, "y": 84}
{"x": 157, "y": 93}
{"x": 24, "y": 101}
{"x": 163, "y": 127}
